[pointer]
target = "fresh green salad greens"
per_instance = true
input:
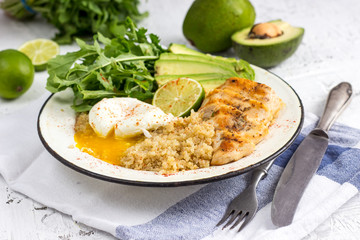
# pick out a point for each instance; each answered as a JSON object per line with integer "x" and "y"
{"x": 126, "y": 66}
{"x": 118, "y": 67}
{"x": 77, "y": 17}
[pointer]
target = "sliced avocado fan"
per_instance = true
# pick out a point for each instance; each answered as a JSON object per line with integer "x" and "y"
{"x": 210, "y": 71}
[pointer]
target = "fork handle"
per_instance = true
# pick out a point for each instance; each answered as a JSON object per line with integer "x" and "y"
{"x": 260, "y": 172}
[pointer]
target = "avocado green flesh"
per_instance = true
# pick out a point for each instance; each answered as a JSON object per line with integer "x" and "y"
{"x": 210, "y": 84}
{"x": 201, "y": 77}
{"x": 210, "y": 75}
{"x": 211, "y": 71}
{"x": 176, "y": 67}
{"x": 240, "y": 66}
{"x": 198, "y": 58}
{"x": 182, "y": 49}
{"x": 268, "y": 52}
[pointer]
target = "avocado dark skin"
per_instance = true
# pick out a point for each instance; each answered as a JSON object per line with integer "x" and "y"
{"x": 261, "y": 58}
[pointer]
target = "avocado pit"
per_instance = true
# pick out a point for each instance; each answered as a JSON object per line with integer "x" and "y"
{"x": 264, "y": 31}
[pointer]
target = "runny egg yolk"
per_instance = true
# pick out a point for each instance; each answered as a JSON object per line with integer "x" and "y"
{"x": 108, "y": 149}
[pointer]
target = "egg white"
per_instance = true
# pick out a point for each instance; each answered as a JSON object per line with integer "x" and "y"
{"x": 127, "y": 117}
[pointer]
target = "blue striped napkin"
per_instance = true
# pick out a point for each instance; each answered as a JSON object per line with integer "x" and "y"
{"x": 195, "y": 217}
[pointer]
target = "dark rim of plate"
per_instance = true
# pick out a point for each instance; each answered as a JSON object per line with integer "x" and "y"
{"x": 178, "y": 183}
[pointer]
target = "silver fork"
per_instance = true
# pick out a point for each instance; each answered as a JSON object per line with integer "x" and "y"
{"x": 244, "y": 206}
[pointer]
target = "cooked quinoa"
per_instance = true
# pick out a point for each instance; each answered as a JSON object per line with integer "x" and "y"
{"x": 82, "y": 120}
{"x": 184, "y": 144}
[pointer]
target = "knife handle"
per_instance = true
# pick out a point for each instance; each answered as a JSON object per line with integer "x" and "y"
{"x": 337, "y": 100}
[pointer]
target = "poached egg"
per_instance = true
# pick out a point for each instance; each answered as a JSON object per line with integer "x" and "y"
{"x": 127, "y": 117}
{"x": 116, "y": 124}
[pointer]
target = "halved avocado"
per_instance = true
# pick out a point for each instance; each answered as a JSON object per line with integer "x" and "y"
{"x": 267, "y": 44}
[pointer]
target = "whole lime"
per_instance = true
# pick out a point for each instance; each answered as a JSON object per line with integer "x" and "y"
{"x": 208, "y": 25}
{"x": 17, "y": 73}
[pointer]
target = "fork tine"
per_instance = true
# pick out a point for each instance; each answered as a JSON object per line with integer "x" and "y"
{"x": 226, "y": 215}
{"x": 243, "y": 207}
{"x": 233, "y": 217}
{"x": 248, "y": 218}
{"x": 240, "y": 218}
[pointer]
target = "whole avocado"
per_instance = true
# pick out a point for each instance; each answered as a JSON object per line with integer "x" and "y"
{"x": 209, "y": 24}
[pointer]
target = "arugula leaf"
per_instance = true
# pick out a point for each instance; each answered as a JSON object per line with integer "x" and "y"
{"x": 64, "y": 62}
{"x": 117, "y": 67}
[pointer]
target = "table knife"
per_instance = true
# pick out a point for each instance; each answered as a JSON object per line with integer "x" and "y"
{"x": 306, "y": 159}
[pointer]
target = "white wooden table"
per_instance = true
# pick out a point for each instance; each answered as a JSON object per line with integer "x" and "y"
{"x": 330, "y": 53}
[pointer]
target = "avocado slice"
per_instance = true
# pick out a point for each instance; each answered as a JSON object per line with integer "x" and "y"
{"x": 162, "y": 79}
{"x": 208, "y": 80}
{"x": 199, "y": 58}
{"x": 182, "y": 49}
{"x": 240, "y": 66}
{"x": 185, "y": 67}
{"x": 209, "y": 74}
{"x": 210, "y": 84}
{"x": 267, "y": 44}
{"x": 211, "y": 71}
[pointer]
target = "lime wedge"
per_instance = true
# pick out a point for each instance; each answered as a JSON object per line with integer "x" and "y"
{"x": 179, "y": 97}
{"x": 40, "y": 51}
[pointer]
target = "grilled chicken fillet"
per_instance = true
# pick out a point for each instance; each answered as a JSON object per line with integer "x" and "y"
{"x": 241, "y": 111}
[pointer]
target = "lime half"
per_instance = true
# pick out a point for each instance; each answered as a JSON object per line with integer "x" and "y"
{"x": 179, "y": 97}
{"x": 40, "y": 51}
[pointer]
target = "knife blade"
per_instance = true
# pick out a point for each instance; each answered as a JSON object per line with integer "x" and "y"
{"x": 307, "y": 158}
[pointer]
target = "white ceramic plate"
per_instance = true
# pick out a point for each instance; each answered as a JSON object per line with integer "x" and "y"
{"x": 56, "y": 130}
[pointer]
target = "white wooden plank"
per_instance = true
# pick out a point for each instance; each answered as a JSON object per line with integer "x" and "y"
{"x": 21, "y": 218}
